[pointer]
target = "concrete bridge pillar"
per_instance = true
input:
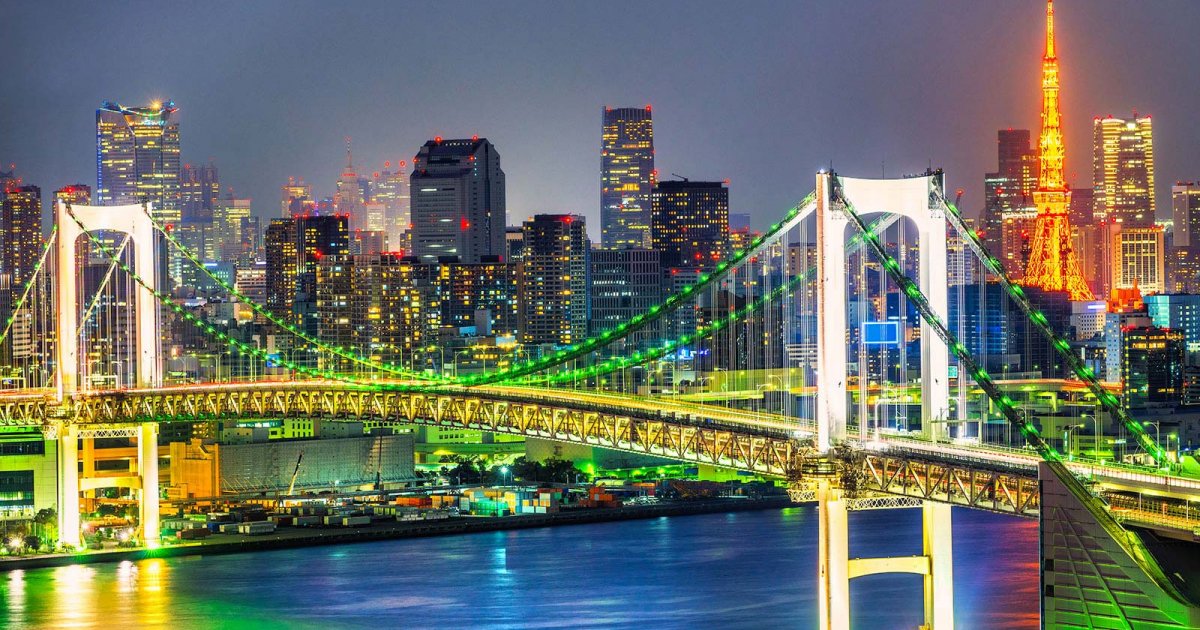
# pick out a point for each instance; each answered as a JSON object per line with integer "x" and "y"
{"x": 68, "y": 485}
{"x": 836, "y": 568}
{"x": 148, "y": 472}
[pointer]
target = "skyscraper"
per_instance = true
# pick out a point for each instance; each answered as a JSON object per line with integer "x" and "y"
{"x": 1009, "y": 190}
{"x": 390, "y": 188}
{"x": 20, "y": 233}
{"x": 296, "y": 198}
{"x": 137, "y": 157}
{"x": 624, "y": 284}
{"x": 1184, "y": 266}
{"x": 554, "y": 280}
{"x": 1138, "y": 260}
{"x": 228, "y": 226}
{"x": 690, "y": 223}
{"x": 280, "y": 246}
{"x": 199, "y": 189}
{"x": 627, "y": 176}
{"x": 1053, "y": 265}
{"x": 349, "y": 198}
{"x": 1123, "y": 170}
{"x": 458, "y": 206}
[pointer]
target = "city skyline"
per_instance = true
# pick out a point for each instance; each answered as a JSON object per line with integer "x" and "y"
{"x": 549, "y": 127}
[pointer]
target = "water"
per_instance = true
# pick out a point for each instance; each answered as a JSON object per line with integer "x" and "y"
{"x": 744, "y": 570}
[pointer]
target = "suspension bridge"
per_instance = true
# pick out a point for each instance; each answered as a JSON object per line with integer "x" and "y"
{"x": 761, "y": 362}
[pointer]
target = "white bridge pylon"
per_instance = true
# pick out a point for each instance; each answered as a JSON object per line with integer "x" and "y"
{"x": 911, "y": 198}
{"x": 133, "y": 220}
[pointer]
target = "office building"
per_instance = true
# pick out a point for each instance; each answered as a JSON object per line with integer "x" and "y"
{"x": 1138, "y": 260}
{"x": 349, "y": 198}
{"x": 230, "y": 222}
{"x": 1009, "y": 188}
{"x": 280, "y": 252}
{"x": 690, "y": 223}
{"x": 627, "y": 176}
{"x": 1179, "y": 312}
{"x": 1123, "y": 170}
{"x": 390, "y": 188}
{"x": 296, "y": 198}
{"x": 199, "y": 191}
{"x": 553, "y": 289}
{"x": 1151, "y": 367}
{"x": 479, "y": 293}
{"x": 624, "y": 284}
{"x": 1184, "y": 266}
{"x": 137, "y": 155}
{"x": 458, "y": 206}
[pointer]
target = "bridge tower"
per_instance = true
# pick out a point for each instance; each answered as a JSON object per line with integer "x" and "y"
{"x": 133, "y": 220}
{"x": 909, "y": 197}
{"x": 836, "y": 568}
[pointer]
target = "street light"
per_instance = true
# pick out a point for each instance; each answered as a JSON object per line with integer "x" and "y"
{"x": 503, "y": 474}
{"x": 1095, "y": 434}
{"x": 1067, "y": 439}
{"x": 1157, "y": 433}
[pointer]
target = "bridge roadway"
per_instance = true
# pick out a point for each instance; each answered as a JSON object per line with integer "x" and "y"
{"x": 986, "y": 477}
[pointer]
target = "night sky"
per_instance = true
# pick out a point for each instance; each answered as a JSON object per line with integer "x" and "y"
{"x": 760, "y": 93}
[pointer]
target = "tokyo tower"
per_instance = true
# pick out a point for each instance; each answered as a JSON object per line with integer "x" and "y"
{"x": 1053, "y": 265}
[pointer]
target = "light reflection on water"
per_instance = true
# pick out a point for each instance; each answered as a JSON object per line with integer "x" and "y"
{"x": 743, "y": 570}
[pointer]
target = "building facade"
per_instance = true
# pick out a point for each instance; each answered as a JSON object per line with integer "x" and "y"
{"x": 1123, "y": 170}
{"x": 553, "y": 276}
{"x": 690, "y": 223}
{"x": 627, "y": 176}
{"x": 137, "y": 157}
{"x": 458, "y": 201}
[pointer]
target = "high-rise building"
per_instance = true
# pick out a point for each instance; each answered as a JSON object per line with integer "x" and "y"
{"x": 1151, "y": 367}
{"x": 1184, "y": 266}
{"x": 137, "y": 157}
{"x": 690, "y": 223}
{"x": 1053, "y": 264}
{"x": 20, "y": 233}
{"x": 627, "y": 176}
{"x": 458, "y": 206}
{"x": 625, "y": 283}
{"x": 229, "y": 224}
{"x": 74, "y": 194}
{"x": 1123, "y": 170}
{"x": 280, "y": 246}
{"x": 470, "y": 290}
{"x": 390, "y": 188}
{"x": 1009, "y": 189}
{"x": 296, "y": 198}
{"x": 199, "y": 190}
{"x": 20, "y": 245}
{"x": 1138, "y": 260}
{"x": 349, "y": 198}
{"x": 514, "y": 243}
{"x": 317, "y": 237}
{"x": 1178, "y": 312}
{"x": 553, "y": 289}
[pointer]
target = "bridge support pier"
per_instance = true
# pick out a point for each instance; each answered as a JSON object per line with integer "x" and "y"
{"x": 148, "y": 472}
{"x": 68, "y": 485}
{"x": 836, "y": 568}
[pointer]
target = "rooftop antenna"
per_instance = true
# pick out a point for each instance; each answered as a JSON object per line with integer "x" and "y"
{"x": 349, "y": 161}
{"x": 679, "y": 176}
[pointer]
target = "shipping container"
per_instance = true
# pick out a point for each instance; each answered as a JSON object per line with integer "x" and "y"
{"x": 256, "y": 527}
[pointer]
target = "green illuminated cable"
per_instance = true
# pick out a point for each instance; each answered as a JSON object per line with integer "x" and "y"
{"x": 978, "y": 374}
{"x": 341, "y": 352}
{"x": 1106, "y": 398}
{"x": 653, "y": 314}
{"x": 616, "y": 364}
{"x": 37, "y": 268}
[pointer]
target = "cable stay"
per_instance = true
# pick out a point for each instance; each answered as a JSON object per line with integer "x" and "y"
{"x": 1107, "y": 400}
{"x": 616, "y": 364}
{"x": 290, "y": 328}
{"x": 112, "y": 266}
{"x": 37, "y": 269}
{"x": 790, "y": 220}
{"x": 913, "y": 292}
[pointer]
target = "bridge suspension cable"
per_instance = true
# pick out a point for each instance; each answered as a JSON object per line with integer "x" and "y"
{"x": 29, "y": 284}
{"x": 681, "y": 297}
{"x": 274, "y": 319}
{"x": 913, "y": 292}
{"x": 1107, "y": 400}
{"x": 206, "y": 327}
{"x": 704, "y": 331}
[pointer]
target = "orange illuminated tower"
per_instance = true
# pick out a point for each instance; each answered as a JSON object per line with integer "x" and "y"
{"x": 1053, "y": 265}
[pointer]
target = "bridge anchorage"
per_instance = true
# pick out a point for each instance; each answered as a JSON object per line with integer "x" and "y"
{"x": 790, "y": 283}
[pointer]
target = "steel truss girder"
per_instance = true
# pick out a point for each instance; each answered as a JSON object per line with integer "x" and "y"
{"x": 956, "y": 484}
{"x": 664, "y": 436}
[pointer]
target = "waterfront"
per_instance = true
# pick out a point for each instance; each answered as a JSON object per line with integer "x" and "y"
{"x": 737, "y": 570}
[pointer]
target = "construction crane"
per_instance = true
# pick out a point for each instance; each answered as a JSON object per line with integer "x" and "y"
{"x": 295, "y": 473}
